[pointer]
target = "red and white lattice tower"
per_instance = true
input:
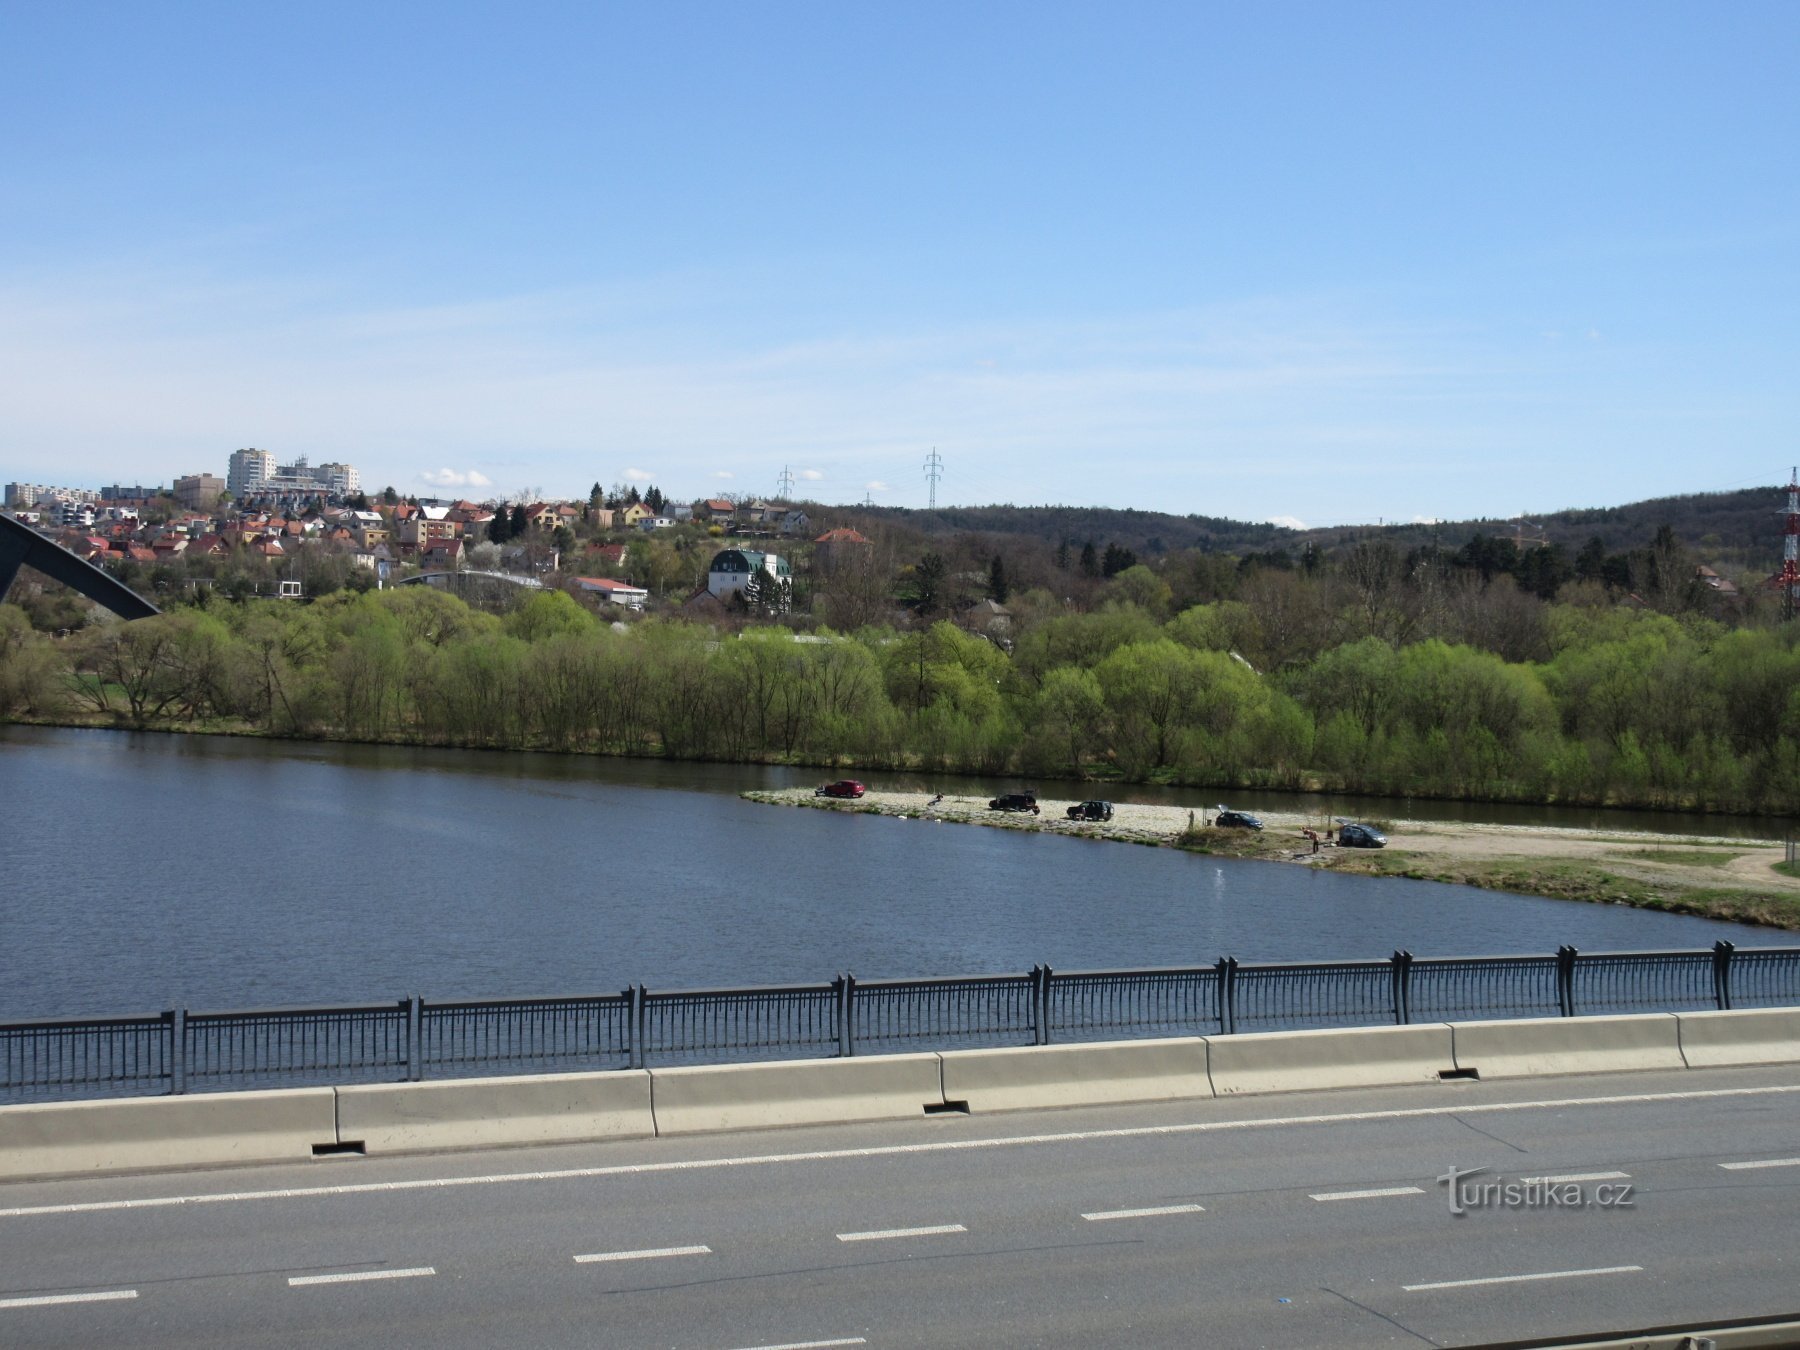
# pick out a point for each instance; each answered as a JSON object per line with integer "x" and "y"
{"x": 1789, "y": 576}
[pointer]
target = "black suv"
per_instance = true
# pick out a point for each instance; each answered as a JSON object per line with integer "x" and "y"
{"x": 1236, "y": 820}
{"x": 1353, "y": 835}
{"x": 1091, "y": 811}
{"x": 1015, "y": 801}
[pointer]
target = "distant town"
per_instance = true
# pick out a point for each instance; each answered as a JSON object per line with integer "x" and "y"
{"x": 296, "y": 529}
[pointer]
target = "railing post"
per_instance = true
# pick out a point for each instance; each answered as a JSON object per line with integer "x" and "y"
{"x": 844, "y": 990}
{"x": 1565, "y": 979}
{"x": 1227, "y": 969}
{"x": 415, "y": 1027}
{"x": 1722, "y": 951}
{"x": 1402, "y": 987}
{"x": 1040, "y": 1003}
{"x": 634, "y": 1026}
{"x": 177, "y": 1021}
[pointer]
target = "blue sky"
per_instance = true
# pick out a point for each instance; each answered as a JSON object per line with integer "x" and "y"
{"x": 1323, "y": 263}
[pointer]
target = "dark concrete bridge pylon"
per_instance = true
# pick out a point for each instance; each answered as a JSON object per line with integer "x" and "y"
{"x": 21, "y": 546}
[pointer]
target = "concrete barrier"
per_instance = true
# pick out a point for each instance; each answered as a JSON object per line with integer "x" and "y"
{"x": 1537, "y": 1046}
{"x": 794, "y": 1092}
{"x": 145, "y": 1133}
{"x": 1297, "y": 1061}
{"x": 1749, "y": 1036}
{"x": 1088, "y": 1074}
{"x": 490, "y": 1112}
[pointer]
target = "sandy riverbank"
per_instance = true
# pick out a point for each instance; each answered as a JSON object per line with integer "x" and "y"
{"x": 1694, "y": 874}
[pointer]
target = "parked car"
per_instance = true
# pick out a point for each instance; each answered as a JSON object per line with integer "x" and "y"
{"x": 1091, "y": 811}
{"x": 1236, "y": 820}
{"x": 1015, "y": 801}
{"x": 847, "y": 787}
{"x": 1353, "y": 835}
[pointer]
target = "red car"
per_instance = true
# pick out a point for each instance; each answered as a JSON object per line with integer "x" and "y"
{"x": 847, "y": 787}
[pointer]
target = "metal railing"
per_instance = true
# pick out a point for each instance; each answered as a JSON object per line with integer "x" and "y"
{"x": 412, "y": 1039}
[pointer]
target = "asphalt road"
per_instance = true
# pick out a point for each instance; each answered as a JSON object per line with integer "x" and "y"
{"x": 1306, "y": 1219}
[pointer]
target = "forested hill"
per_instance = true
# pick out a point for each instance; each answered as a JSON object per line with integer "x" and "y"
{"x": 1743, "y": 526}
{"x": 1146, "y": 533}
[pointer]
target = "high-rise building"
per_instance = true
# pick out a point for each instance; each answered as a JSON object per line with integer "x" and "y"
{"x": 254, "y": 473}
{"x": 249, "y": 470}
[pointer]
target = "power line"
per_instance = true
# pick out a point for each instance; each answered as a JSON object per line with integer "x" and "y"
{"x": 934, "y": 470}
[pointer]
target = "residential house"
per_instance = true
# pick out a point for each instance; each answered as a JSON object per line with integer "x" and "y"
{"x": 731, "y": 569}
{"x": 838, "y": 548}
{"x": 618, "y": 592}
{"x": 634, "y": 515}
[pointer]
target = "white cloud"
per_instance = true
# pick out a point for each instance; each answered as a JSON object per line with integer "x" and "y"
{"x": 638, "y": 475}
{"x": 455, "y": 478}
{"x": 1287, "y": 522}
{"x": 876, "y": 485}
{"x": 1425, "y": 520}
{"x": 811, "y": 475}
{"x": 723, "y": 473}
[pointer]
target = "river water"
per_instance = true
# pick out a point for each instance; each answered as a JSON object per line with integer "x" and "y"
{"x": 139, "y": 872}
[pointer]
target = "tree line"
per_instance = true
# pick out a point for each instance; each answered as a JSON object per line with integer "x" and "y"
{"x": 1361, "y": 687}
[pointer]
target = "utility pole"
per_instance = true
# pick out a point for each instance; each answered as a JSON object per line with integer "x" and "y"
{"x": 784, "y": 486}
{"x": 934, "y": 470}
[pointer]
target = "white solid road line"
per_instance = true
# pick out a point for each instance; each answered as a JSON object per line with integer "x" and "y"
{"x": 1576, "y": 1176}
{"x": 46, "y": 1300}
{"x": 809, "y": 1345}
{"x": 882, "y": 1234}
{"x": 356, "y": 1276}
{"x": 898, "y": 1150}
{"x": 1102, "y": 1215}
{"x": 1375, "y": 1194}
{"x": 1521, "y": 1279}
{"x": 1767, "y": 1162}
{"x": 646, "y": 1254}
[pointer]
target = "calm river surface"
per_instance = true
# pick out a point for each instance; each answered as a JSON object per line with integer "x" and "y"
{"x": 139, "y": 872}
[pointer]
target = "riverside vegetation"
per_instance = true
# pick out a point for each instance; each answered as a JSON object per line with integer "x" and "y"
{"x": 1628, "y": 707}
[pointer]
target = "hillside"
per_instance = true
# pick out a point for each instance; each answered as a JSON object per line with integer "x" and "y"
{"x": 1742, "y": 527}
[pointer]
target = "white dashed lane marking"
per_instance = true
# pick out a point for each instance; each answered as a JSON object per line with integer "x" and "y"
{"x": 1155, "y": 1212}
{"x": 1766, "y": 1162}
{"x": 357, "y": 1276}
{"x": 883, "y": 1234}
{"x": 1375, "y": 1194}
{"x": 49, "y": 1300}
{"x": 645, "y": 1254}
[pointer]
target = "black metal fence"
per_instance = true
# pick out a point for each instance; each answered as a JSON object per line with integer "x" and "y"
{"x": 412, "y": 1039}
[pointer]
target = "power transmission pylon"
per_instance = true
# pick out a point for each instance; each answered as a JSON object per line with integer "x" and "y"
{"x": 784, "y": 485}
{"x": 934, "y": 470}
{"x": 1788, "y": 578}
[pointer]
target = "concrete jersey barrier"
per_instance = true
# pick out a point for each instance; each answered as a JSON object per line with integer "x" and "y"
{"x": 794, "y": 1092}
{"x": 491, "y": 1112}
{"x": 1297, "y": 1061}
{"x": 1750, "y": 1036}
{"x": 1542, "y": 1046}
{"x": 141, "y": 1134}
{"x": 1087, "y": 1074}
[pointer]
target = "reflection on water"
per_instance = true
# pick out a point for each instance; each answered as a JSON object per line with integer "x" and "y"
{"x": 151, "y": 871}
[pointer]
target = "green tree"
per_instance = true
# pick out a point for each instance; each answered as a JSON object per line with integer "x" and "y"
{"x": 997, "y": 589}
